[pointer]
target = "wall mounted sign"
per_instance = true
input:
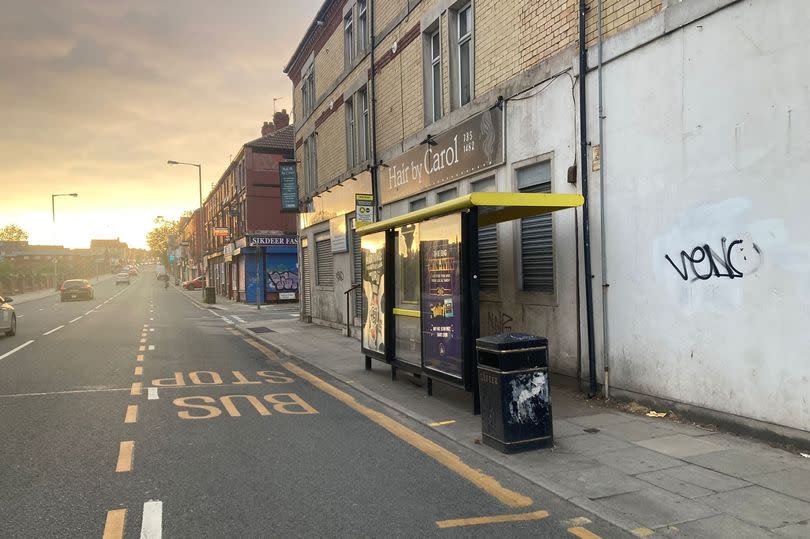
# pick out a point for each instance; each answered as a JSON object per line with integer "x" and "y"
{"x": 337, "y": 234}
{"x": 288, "y": 178}
{"x": 221, "y": 231}
{"x": 363, "y": 208}
{"x": 473, "y": 145}
{"x": 263, "y": 241}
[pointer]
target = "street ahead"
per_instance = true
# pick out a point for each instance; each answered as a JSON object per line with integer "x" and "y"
{"x": 141, "y": 413}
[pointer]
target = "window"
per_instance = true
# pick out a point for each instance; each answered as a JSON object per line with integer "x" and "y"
{"x": 348, "y": 40}
{"x": 464, "y": 37}
{"x": 362, "y": 25}
{"x": 487, "y": 244}
{"x": 364, "y": 136}
{"x": 308, "y": 91}
{"x": 324, "y": 262}
{"x": 435, "y": 91}
{"x": 449, "y": 194}
{"x": 310, "y": 165}
{"x": 536, "y": 248}
{"x": 351, "y": 154}
{"x": 418, "y": 204}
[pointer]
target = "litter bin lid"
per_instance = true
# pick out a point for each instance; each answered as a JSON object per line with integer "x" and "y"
{"x": 510, "y": 341}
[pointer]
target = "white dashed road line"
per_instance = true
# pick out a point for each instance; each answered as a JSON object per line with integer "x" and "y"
{"x": 152, "y": 394}
{"x": 151, "y": 347}
{"x": 152, "y": 522}
{"x": 23, "y": 345}
{"x": 239, "y": 319}
{"x": 54, "y": 330}
{"x": 77, "y": 318}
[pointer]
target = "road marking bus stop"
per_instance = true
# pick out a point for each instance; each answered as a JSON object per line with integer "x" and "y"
{"x": 476, "y": 521}
{"x": 114, "y": 526}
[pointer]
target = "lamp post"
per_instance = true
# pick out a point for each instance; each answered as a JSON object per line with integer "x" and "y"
{"x": 199, "y": 176}
{"x": 53, "y": 202}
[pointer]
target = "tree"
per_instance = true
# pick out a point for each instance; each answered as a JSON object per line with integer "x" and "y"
{"x": 158, "y": 238}
{"x": 13, "y": 233}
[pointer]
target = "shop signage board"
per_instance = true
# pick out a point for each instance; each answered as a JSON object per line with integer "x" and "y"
{"x": 374, "y": 300}
{"x": 264, "y": 241}
{"x": 288, "y": 178}
{"x": 473, "y": 145}
{"x": 363, "y": 208}
{"x": 337, "y": 234}
{"x": 440, "y": 252}
{"x": 221, "y": 231}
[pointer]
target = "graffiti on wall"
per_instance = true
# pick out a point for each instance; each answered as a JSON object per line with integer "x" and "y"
{"x": 499, "y": 322}
{"x": 282, "y": 272}
{"x": 734, "y": 260}
{"x": 283, "y": 280}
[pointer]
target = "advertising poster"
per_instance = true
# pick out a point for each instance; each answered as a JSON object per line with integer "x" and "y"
{"x": 373, "y": 247}
{"x": 441, "y": 295}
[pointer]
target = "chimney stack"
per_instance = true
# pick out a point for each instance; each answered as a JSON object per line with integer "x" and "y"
{"x": 268, "y": 128}
{"x": 281, "y": 119}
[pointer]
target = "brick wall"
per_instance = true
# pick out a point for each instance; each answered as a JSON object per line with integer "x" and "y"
{"x": 329, "y": 63}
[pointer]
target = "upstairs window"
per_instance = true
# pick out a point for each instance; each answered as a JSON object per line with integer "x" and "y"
{"x": 364, "y": 135}
{"x": 310, "y": 165}
{"x": 351, "y": 154}
{"x": 464, "y": 34}
{"x": 348, "y": 40}
{"x": 362, "y": 25}
{"x": 435, "y": 89}
{"x": 308, "y": 92}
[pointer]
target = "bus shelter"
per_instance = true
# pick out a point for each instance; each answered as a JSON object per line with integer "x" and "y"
{"x": 420, "y": 283}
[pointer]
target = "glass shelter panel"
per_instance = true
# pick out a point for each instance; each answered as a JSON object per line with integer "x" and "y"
{"x": 440, "y": 254}
{"x": 406, "y": 284}
{"x": 373, "y": 246}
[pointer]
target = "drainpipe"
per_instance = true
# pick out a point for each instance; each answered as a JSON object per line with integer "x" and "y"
{"x": 373, "y": 112}
{"x": 605, "y": 283}
{"x": 586, "y": 226}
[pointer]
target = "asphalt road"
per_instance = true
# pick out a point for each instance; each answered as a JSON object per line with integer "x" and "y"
{"x": 147, "y": 415}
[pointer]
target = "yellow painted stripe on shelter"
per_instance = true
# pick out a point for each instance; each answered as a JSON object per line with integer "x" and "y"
{"x": 413, "y": 313}
{"x": 477, "y": 521}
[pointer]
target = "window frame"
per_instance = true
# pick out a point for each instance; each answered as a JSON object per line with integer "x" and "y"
{"x": 435, "y": 61}
{"x": 363, "y": 130}
{"x": 348, "y": 40}
{"x": 362, "y": 26}
{"x": 462, "y": 40}
{"x": 308, "y": 92}
{"x": 351, "y": 132}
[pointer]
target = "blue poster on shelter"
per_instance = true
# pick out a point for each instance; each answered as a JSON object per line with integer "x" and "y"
{"x": 441, "y": 295}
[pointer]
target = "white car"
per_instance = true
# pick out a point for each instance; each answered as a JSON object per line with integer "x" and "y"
{"x": 122, "y": 278}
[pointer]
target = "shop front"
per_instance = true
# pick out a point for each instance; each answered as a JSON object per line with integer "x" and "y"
{"x": 266, "y": 268}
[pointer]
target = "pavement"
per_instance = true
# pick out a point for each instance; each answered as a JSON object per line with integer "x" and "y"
{"x": 19, "y": 299}
{"x": 652, "y": 477}
{"x": 142, "y": 413}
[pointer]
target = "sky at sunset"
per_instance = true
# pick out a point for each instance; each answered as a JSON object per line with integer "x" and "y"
{"x": 96, "y": 96}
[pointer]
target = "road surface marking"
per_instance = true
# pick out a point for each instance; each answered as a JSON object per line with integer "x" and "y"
{"x": 152, "y": 523}
{"x": 125, "y": 451}
{"x": 487, "y": 483}
{"x": 151, "y": 329}
{"x": 152, "y": 393}
{"x": 132, "y": 414}
{"x": 582, "y": 533}
{"x": 151, "y": 319}
{"x": 576, "y": 522}
{"x": 142, "y": 341}
{"x": 54, "y": 330}
{"x": 151, "y": 347}
{"x": 442, "y": 423}
{"x": 145, "y": 326}
{"x": 522, "y": 517}
{"x": 642, "y": 532}
{"x": 88, "y": 312}
{"x": 42, "y": 308}
{"x": 141, "y": 349}
{"x": 77, "y": 318}
{"x": 239, "y": 319}
{"x": 138, "y": 370}
{"x": 139, "y": 357}
{"x": 45, "y": 394}
{"x": 136, "y": 389}
{"x": 114, "y": 526}
{"x": 23, "y": 345}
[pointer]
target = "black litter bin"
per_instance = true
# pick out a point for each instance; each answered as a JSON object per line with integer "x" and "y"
{"x": 514, "y": 388}
{"x": 209, "y": 294}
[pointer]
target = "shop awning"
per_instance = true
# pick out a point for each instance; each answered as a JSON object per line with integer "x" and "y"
{"x": 492, "y": 208}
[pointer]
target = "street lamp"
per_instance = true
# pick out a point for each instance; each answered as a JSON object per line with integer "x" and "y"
{"x": 53, "y": 203}
{"x": 199, "y": 175}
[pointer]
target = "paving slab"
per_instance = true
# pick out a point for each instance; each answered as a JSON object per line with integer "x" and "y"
{"x": 664, "y": 480}
{"x": 591, "y": 444}
{"x": 563, "y": 428}
{"x": 717, "y": 527}
{"x": 702, "y": 478}
{"x": 655, "y": 507}
{"x": 793, "y": 481}
{"x": 761, "y": 506}
{"x": 742, "y": 464}
{"x": 547, "y": 462}
{"x": 636, "y": 460}
{"x": 635, "y": 430}
{"x": 683, "y": 428}
{"x": 680, "y": 445}
{"x": 600, "y": 420}
{"x": 794, "y": 531}
{"x": 594, "y": 482}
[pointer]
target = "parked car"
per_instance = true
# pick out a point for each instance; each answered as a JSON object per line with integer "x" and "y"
{"x": 8, "y": 318}
{"x": 122, "y": 278}
{"x": 194, "y": 284}
{"x": 133, "y": 272}
{"x": 76, "y": 289}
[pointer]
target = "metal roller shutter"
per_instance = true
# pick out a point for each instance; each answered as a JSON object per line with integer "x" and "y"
{"x": 306, "y": 274}
{"x": 488, "y": 257}
{"x": 324, "y": 262}
{"x": 357, "y": 265}
{"x": 536, "y": 248}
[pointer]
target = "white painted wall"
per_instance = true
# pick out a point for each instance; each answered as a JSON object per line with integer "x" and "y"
{"x": 707, "y": 137}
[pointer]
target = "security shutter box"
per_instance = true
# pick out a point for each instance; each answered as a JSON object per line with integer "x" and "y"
{"x": 324, "y": 261}
{"x": 536, "y": 246}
